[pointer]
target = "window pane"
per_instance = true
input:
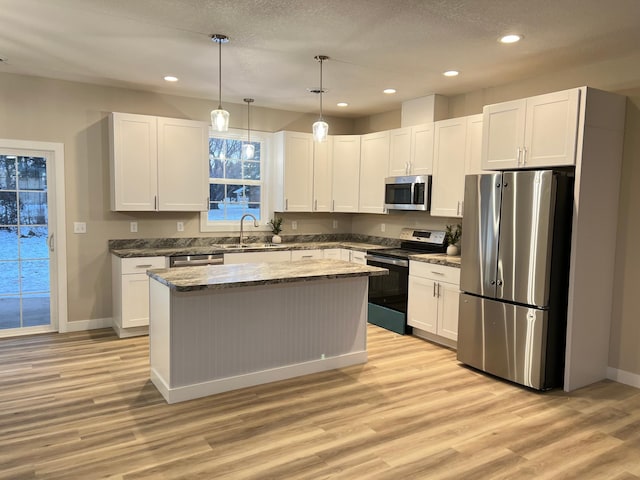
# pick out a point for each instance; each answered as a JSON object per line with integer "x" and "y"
{"x": 35, "y": 275}
{"x": 233, "y": 169}
{"x": 9, "y": 278}
{"x": 216, "y": 211}
{"x": 234, "y": 149}
{"x": 216, "y": 168}
{"x": 235, "y": 193}
{"x": 8, "y": 244}
{"x": 33, "y": 242}
{"x": 33, "y": 208}
{"x": 32, "y": 173}
{"x": 10, "y": 309}
{"x": 7, "y": 172}
{"x": 253, "y": 193}
{"x": 216, "y": 146}
{"x": 35, "y": 310}
{"x": 251, "y": 170}
{"x": 8, "y": 208}
{"x": 216, "y": 192}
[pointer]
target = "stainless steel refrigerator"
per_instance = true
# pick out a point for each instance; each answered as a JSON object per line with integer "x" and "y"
{"x": 514, "y": 275}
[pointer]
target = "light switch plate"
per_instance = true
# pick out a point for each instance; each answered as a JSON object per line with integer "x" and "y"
{"x": 294, "y": 225}
{"x": 180, "y": 226}
{"x": 79, "y": 227}
{"x": 133, "y": 227}
{"x": 383, "y": 227}
{"x": 335, "y": 224}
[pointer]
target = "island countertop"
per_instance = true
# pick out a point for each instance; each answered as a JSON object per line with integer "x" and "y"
{"x": 245, "y": 274}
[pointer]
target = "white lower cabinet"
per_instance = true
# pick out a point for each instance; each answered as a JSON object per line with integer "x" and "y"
{"x": 434, "y": 292}
{"x": 358, "y": 257}
{"x": 332, "y": 253}
{"x": 258, "y": 257}
{"x": 314, "y": 254}
{"x": 130, "y": 286}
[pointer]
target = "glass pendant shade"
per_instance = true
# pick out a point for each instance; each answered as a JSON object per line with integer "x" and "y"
{"x": 220, "y": 120}
{"x": 248, "y": 151}
{"x": 320, "y": 131}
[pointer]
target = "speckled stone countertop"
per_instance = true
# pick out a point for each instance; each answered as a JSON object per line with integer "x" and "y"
{"x": 152, "y": 251}
{"x": 246, "y": 274}
{"x": 437, "y": 258}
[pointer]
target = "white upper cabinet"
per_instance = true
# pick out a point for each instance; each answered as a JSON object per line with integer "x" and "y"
{"x": 374, "y": 165}
{"x": 448, "y": 167}
{"x": 322, "y": 178}
{"x": 158, "y": 163}
{"x": 534, "y": 132}
{"x": 473, "y": 145}
{"x": 296, "y": 152}
{"x": 346, "y": 172}
{"x": 411, "y": 150}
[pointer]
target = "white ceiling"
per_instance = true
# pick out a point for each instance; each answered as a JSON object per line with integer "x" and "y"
{"x": 373, "y": 44}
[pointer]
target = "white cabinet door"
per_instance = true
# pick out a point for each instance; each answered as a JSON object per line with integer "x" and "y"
{"x": 374, "y": 165}
{"x": 503, "y": 134}
{"x": 422, "y": 305}
{"x": 257, "y": 257}
{"x": 473, "y": 152}
{"x": 448, "y": 304}
{"x": 346, "y": 172}
{"x": 183, "y": 165}
{"x": 332, "y": 253}
{"x": 448, "y": 171}
{"x": 551, "y": 126}
{"x": 539, "y": 131}
{"x": 422, "y": 137}
{"x": 133, "y": 162}
{"x": 135, "y": 300}
{"x": 314, "y": 254}
{"x": 322, "y": 178}
{"x": 345, "y": 254}
{"x": 298, "y": 171}
{"x": 399, "y": 151}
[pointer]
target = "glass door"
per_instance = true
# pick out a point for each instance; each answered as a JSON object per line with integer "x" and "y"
{"x": 25, "y": 282}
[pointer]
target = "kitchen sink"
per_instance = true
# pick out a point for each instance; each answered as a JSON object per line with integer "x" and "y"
{"x": 252, "y": 245}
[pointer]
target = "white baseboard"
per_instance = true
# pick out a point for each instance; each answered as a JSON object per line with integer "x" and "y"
{"x": 622, "y": 376}
{"x": 92, "y": 324}
{"x": 189, "y": 392}
{"x": 130, "y": 332}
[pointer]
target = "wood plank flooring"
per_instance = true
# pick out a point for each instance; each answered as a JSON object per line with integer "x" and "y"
{"x": 81, "y": 406}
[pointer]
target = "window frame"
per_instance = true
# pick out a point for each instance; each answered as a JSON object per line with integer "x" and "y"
{"x": 265, "y": 174}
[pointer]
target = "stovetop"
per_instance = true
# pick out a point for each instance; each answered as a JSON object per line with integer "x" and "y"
{"x": 415, "y": 242}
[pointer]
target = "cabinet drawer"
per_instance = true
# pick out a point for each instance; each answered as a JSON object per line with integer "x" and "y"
{"x": 141, "y": 264}
{"x": 436, "y": 272}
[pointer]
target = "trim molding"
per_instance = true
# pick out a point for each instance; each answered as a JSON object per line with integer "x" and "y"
{"x": 92, "y": 324}
{"x": 622, "y": 376}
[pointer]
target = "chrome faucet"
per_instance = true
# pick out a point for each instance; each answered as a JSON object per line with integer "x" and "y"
{"x": 255, "y": 224}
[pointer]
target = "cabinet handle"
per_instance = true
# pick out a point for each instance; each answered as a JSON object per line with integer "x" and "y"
{"x": 437, "y": 273}
{"x": 524, "y": 156}
{"x": 518, "y": 155}
{"x": 155, "y": 202}
{"x": 410, "y": 168}
{"x": 316, "y": 205}
{"x": 406, "y": 167}
{"x": 333, "y": 205}
{"x": 144, "y": 266}
{"x": 52, "y": 245}
{"x": 434, "y": 288}
{"x": 286, "y": 204}
{"x": 307, "y": 256}
{"x": 438, "y": 290}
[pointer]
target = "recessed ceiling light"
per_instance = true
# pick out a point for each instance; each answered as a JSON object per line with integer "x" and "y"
{"x": 389, "y": 91}
{"x": 451, "y": 73}
{"x": 343, "y": 104}
{"x": 511, "y": 38}
{"x": 170, "y": 78}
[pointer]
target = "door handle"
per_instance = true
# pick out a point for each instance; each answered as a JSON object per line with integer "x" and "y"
{"x": 499, "y": 283}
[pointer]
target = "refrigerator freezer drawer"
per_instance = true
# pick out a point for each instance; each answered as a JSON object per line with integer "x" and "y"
{"x": 506, "y": 340}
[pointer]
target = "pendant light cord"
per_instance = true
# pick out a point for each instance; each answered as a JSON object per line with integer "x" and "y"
{"x": 219, "y": 74}
{"x": 321, "y": 60}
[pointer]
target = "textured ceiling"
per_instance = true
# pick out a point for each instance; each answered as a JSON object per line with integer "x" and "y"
{"x": 373, "y": 44}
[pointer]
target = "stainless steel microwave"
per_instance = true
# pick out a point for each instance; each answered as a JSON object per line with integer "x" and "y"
{"x": 410, "y": 192}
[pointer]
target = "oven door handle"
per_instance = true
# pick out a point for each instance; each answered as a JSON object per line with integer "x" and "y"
{"x": 387, "y": 260}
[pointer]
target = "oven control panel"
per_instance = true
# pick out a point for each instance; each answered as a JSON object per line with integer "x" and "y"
{"x": 435, "y": 237}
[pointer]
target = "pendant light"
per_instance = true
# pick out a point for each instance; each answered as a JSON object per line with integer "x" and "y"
{"x": 320, "y": 128}
{"x": 220, "y": 117}
{"x": 248, "y": 150}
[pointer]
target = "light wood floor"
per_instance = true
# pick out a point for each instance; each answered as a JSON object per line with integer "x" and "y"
{"x": 81, "y": 406}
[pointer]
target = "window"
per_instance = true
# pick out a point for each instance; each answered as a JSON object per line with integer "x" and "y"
{"x": 236, "y": 184}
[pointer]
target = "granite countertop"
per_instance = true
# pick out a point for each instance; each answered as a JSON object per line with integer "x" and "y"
{"x": 235, "y": 248}
{"x": 437, "y": 258}
{"x": 188, "y": 279}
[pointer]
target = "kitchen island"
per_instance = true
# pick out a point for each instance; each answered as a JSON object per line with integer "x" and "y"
{"x": 224, "y": 327}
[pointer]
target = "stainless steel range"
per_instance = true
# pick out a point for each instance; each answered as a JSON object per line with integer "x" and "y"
{"x": 388, "y": 294}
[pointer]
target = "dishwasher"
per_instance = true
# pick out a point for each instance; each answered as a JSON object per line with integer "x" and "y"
{"x": 176, "y": 261}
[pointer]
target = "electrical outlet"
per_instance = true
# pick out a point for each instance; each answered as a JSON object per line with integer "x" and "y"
{"x": 294, "y": 225}
{"x": 180, "y": 226}
{"x": 335, "y": 224}
{"x": 133, "y": 227}
{"x": 79, "y": 227}
{"x": 383, "y": 227}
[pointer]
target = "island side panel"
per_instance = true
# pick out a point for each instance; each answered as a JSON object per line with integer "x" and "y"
{"x": 232, "y": 333}
{"x": 159, "y": 331}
